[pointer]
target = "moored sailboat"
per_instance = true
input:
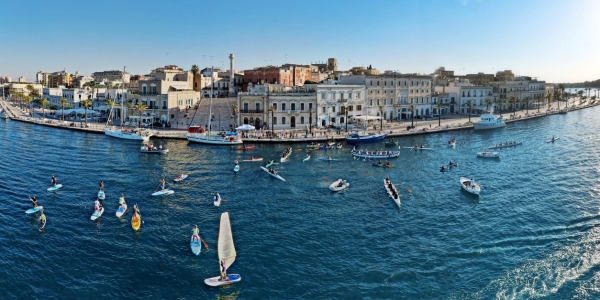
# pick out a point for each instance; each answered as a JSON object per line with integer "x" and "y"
{"x": 227, "y": 255}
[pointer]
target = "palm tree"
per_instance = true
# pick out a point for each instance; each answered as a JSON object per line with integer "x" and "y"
{"x": 112, "y": 104}
{"x": 549, "y": 99}
{"x": 63, "y": 101}
{"x": 310, "y": 112}
{"x": 527, "y": 103}
{"x": 439, "y": 111}
{"x": 195, "y": 70}
{"x": 272, "y": 110}
{"x": 381, "y": 117}
{"x": 513, "y": 101}
{"x": 580, "y": 93}
{"x": 500, "y": 102}
{"x": 140, "y": 107}
{"x": 487, "y": 101}
{"x": 44, "y": 103}
{"x": 29, "y": 101}
{"x": 539, "y": 98}
{"x": 412, "y": 115}
{"x": 469, "y": 103}
{"x": 86, "y": 103}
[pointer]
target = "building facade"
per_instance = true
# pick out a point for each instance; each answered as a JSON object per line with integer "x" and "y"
{"x": 112, "y": 76}
{"x": 337, "y": 103}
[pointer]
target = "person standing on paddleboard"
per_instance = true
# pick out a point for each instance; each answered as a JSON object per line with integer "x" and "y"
{"x": 196, "y": 233}
{"x": 53, "y": 180}
{"x": 101, "y": 184}
{"x": 162, "y": 184}
{"x": 34, "y": 200}
{"x": 97, "y": 204}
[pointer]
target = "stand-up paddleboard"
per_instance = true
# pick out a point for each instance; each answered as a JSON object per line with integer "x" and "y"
{"x": 195, "y": 245}
{"x": 121, "y": 210}
{"x": 44, "y": 225}
{"x": 327, "y": 159}
{"x": 54, "y": 187}
{"x": 178, "y": 179}
{"x": 551, "y": 141}
{"x": 270, "y": 163}
{"x": 34, "y": 210}
{"x": 236, "y": 168}
{"x": 163, "y": 192}
{"x": 97, "y": 213}
{"x": 217, "y": 201}
{"x": 101, "y": 195}
{"x": 136, "y": 221}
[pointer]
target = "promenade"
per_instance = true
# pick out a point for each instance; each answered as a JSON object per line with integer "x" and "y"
{"x": 178, "y": 130}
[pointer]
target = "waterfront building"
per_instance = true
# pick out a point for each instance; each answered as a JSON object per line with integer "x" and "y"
{"x": 22, "y": 87}
{"x": 53, "y": 95}
{"x": 288, "y": 75}
{"x": 477, "y": 97}
{"x": 41, "y": 77}
{"x": 337, "y": 103}
{"x": 79, "y": 80}
{"x": 112, "y": 76}
{"x": 525, "y": 90}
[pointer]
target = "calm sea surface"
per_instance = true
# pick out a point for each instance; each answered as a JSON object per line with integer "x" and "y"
{"x": 532, "y": 233}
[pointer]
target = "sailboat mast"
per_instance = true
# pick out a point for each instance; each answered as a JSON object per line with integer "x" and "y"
{"x": 211, "y": 94}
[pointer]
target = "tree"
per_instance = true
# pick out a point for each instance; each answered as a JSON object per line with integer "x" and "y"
{"x": 44, "y": 104}
{"x": 580, "y": 94}
{"x": 86, "y": 103}
{"x": 29, "y": 101}
{"x": 412, "y": 115}
{"x": 527, "y": 103}
{"x": 381, "y": 117}
{"x": 469, "y": 103}
{"x": 513, "y": 101}
{"x": 549, "y": 99}
{"x": 140, "y": 107}
{"x": 272, "y": 110}
{"x": 195, "y": 70}
{"x": 62, "y": 102}
{"x": 310, "y": 112}
{"x": 539, "y": 98}
{"x": 487, "y": 101}
{"x": 439, "y": 111}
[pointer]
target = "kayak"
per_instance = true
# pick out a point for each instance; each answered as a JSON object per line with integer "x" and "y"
{"x": 97, "y": 214}
{"x": 306, "y": 158}
{"x": 136, "y": 221}
{"x": 195, "y": 245}
{"x": 101, "y": 195}
{"x": 253, "y": 159}
{"x": 274, "y": 175}
{"x": 551, "y": 141}
{"x": 54, "y": 188}
{"x": 34, "y": 210}
{"x": 327, "y": 159}
{"x": 163, "y": 192}
{"x": 236, "y": 168}
{"x": 121, "y": 210}
{"x": 178, "y": 179}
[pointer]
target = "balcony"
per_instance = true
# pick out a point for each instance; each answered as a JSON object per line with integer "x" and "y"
{"x": 342, "y": 100}
{"x": 252, "y": 111}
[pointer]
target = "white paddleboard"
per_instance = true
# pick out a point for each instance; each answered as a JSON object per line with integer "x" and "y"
{"x": 101, "y": 195}
{"x": 195, "y": 245}
{"x": 34, "y": 210}
{"x": 236, "y": 168}
{"x": 97, "y": 214}
{"x": 163, "y": 192}
{"x": 180, "y": 179}
{"x": 122, "y": 209}
{"x": 216, "y": 281}
{"x": 54, "y": 188}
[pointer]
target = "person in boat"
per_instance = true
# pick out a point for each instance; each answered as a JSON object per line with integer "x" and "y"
{"x": 236, "y": 162}
{"x": 101, "y": 185}
{"x": 217, "y": 197}
{"x": 450, "y": 163}
{"x": 307, "y": 155}
{"x": 34, "y": 201}
{"x": 180, "y": 176}
{"x": 97, "y": 204}
{"x": 472, "y": 182}
{"x": 136, "y": 210}
{"x": 442, "y": 169}
{"x": 341, "y": 184}
{"x": 162, "y": 184}
{"x": 160, "y": 147}
{"x": 122, "y": 200}
{"x": 328, "y": 157}
{"x": 271, "y": 170}
{"x": 195, "y": 233}
{"x": 53, "y": 180}
{"x": 42, "y": 218}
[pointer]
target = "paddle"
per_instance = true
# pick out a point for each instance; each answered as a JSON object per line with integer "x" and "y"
{"x": 203, "y": 242}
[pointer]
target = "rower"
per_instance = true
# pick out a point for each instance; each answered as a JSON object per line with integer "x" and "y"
{"x": 96, "y": 204}
{"x": 101, "y": 185}
{"x": 195, "y": 233}
{"x": 217, "y": 197}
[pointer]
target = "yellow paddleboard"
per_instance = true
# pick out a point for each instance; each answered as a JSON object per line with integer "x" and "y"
{"x": 136, "y": 221}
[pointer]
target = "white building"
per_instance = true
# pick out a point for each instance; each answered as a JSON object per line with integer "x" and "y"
{"x": 336, "y": 103}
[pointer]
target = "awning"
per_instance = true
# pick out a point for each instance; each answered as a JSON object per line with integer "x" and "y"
{"x": 180, "y": 87}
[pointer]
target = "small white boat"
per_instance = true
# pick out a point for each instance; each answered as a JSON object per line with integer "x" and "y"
{"x": 253, "y": 159}
{"x": 339, "y": 185}
{"x": 306, "y": 158}
{"x": 391, "y": 190}
{"x": 488, "y": 154}
{"x": 142, "y": 135}
{"x": 121, "y": 210}
{"x": 227, "y": 254}
{"x": 236, "y": 168}
{"x": 272, "y": 174}
{"x": 465, "y": 183}
{"x": 217, "y": 200}
{"x": 489, "y": 121}
{"x": 286, "y": 154}
{"x": 163, "y": 192}
{"x": 452, "y": 142}
{"x": 101, "y": 195}
{"x": 3, "y": 114}
{"x": 180, "y": 178}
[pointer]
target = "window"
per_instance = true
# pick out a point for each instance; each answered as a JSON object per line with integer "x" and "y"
{"x": 377, "y": 82}
{"x": 392, "y": 101}
{"x": 385, "y": 83}
{"x": 333, "y": 109}
{"x": 301, "y": 106}
{"x": 257, "y": 105}
{"x": 384, "y": 101}
{"x": 282, "y": 120}
{"x": 377, "y": 101}
{"x": 301, "y": 120}
{"x": 310, "y": 106}
{"x": 370, "y": 102}
{"x": 371, "y": 82}
{"x": 275, "y": 106}
{"x": 323, "y": 96}
{"x": 293, "y": 106}
{"x": 274, "y": 121}
{"x": 359, "y": 107}
{"x": 358, "y": 95}
{"x": 323, "y": 109}
{"x": 283, "y": 109}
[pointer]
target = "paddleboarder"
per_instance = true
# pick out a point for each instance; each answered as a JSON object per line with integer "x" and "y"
{"x": 53, "y": 180}
{"x": 121, "y": 200}
{"x": 196, "y": 233}
{"x": 34, "y": 200}
{"x": 42, "y": 218}
{"x": 97, "y": 204}
{"x": 101, "y": 184}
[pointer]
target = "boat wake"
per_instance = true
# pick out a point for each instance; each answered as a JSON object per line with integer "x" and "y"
{"x": 573, "y": 269}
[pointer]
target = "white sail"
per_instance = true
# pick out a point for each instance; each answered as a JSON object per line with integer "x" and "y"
{"x": 226, "y": 249}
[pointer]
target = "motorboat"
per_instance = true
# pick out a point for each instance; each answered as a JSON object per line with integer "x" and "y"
{"x": 505, "y": 145}
{"x": 129, "y": 134}
{"x": 3, "y": 114}
{"x": 488, "y": 154}
{"x": 465, "y": 183}
{"x": 339, "y": 185}
{"x": 224, "y": 138}
{"x": 391, "y": 190}
{"x": 313, "y": 145}
{"x": 356, "y": 137}
{"x": 153, "y": 149}
{"x": 489, "y": 121}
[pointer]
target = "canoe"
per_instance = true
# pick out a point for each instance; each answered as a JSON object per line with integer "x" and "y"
{"x": 121, "y": 210}
{"x": 97, "y": 213}
{"x": 236, "y": 168}
{"x": 216, "y": 281}
{"x": 34, "y": 210}
{"x": 465, "y": 183}
{"x": 339, "y": 185}
{"x": 180, "y": 179}
{"x": 552, "y": 141}
{"x": 253, "y": 159}
{"x": 54, "y": 188}
{"x": 101, "y": 195}
{"x": 286, "y": 154}
{"x": 418, "y": 148}
{"x": 327, "y": 159}
{"x": 195, "y": 245}
{"x": 488, "y": 154}
{"x": 306, "y": 158}
{"x": 163, "y": 192}
{"x": 392, "y": 192}
{"x": 246, "y": 148}
{"x": 274, "y": 175}
{"x": 136, "y": 221}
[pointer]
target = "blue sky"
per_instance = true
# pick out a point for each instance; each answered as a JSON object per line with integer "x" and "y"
{"x": 554, "y": 40}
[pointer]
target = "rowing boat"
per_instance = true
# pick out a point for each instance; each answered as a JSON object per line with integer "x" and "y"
{"x": 286, "y": 154}
{"x": 306, "y": 158}
{"x": 465, "y": 183}
{"x": 505, "y": 145}
{"x": 391, "y": 190}
{"x": 253, "y": 159}
{"x": 326, "y": 159}
{"x": 272, "y": 174}
{"x": 339, "y": 185}
{"x": 418, "y": 148}
{"x": 375, "y": 154}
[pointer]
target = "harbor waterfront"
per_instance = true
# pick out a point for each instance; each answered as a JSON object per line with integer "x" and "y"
{"x": 531, "y": 233}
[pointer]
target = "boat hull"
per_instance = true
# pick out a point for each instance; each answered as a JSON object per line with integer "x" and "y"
{"x": 390, "y": 192}
{"x": 365, "y": 139}
{"x": 203, "y": 139}
{"x": 127, "y": 135}
{"x": 216, "y": 281}
{"x": 334, "y": 187}
{"x": 475, "y": 191}
{"x": 274, "y": 175}
{"x": 163, "y": 151}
